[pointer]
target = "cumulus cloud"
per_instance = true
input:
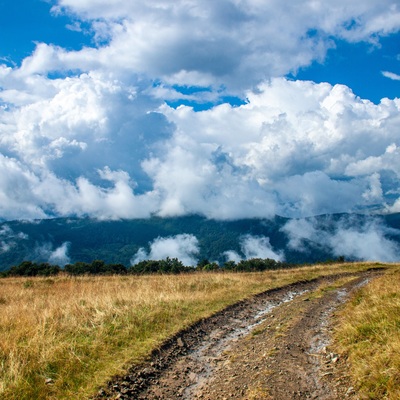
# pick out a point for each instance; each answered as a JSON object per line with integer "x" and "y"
{"x": 118, "y": 200}
{"x": 88, "y": 132}
{"x": 183, "y": 246}
{"x": 295, "y": 149}
{"x": 368, "y": 240}
{"x": 226, "y": 42}
{"x": 29, "y": 195}
{"x": 255, "y": 247}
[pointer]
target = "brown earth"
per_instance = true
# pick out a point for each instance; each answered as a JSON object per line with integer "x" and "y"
{"x": 272, "y": 346}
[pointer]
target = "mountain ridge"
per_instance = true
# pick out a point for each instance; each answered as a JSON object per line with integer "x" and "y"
{"x": 119, "y": 241}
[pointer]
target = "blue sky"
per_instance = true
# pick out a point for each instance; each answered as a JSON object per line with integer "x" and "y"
{"x": 229, "y": 109}
{"x": 26, "y": 22}
{"x": 360, "y": 67}
{"x": 357, "y": 65}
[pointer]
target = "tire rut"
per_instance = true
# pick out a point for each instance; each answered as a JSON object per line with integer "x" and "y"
{"x": 271, "y": 345}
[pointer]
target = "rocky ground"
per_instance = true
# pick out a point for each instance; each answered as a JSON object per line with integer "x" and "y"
{"x": 272, "y": 346}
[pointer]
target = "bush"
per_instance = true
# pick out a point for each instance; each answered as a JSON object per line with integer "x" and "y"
{"x": 28, "y": 268}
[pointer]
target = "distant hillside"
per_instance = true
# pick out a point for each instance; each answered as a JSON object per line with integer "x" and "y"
{"x": 298, "y": 241}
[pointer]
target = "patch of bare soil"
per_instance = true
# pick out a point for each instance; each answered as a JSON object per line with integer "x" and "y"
{"x": 272, "y": 346}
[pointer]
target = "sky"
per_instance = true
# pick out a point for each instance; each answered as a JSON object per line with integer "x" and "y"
{"x": 228, "y": 109}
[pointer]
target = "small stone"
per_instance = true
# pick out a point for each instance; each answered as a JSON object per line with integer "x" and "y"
{"x": 332, "y": 357}
{"x": 180, "y": 342}
{"x": 350, "y": 391}
{"x": 193, "y": 377}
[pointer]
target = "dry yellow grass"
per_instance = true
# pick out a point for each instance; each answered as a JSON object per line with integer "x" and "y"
{"x": 80, "y": 331}
{"x": 368, "y": 330}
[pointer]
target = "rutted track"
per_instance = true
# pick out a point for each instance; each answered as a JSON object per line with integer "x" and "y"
{"x": 269, "y": 346}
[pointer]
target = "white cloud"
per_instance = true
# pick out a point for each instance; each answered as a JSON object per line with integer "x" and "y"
{"x": 231, "y": 255}
{"x": 259, "y": 247}
{"x": 9, "y": 238}
{"x": 28, "y": 195}
{"x": 58, "y": 256}
{"x": 98, "y": 140}
{"x": 391, "y": 75}
{"x": 184, "y": 247}
{"x": 354, "y": 239}
{"x": 367, "y": 243}
{"x": 300, "y": 231}
{"x": 17, "y": 198}
{"x": 254, "y": 247}
{"x": 295, "y": 148}
{"x": 228, "y": 43}
{"x": 113, "y": 202}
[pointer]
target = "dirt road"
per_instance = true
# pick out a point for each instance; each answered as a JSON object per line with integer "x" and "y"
{"x": 272, "y": 346}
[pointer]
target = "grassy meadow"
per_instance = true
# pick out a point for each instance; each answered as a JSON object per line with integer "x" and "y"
{"x": 62, "y": 337}
{"x": 368, "y": 331}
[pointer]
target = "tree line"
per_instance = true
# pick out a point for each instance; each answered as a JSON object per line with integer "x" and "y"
{"x": 166, "y": 266}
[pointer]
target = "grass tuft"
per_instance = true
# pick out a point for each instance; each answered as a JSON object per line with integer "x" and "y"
{"x": 368, "y": 331}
